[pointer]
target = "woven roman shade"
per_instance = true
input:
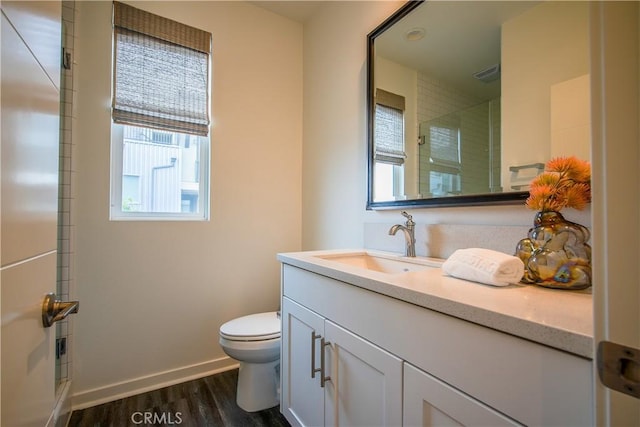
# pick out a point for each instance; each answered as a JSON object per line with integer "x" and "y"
{"x": 389, "y": 128}
{"x": 161, "y": 72}
{"x": 444, "y": 144}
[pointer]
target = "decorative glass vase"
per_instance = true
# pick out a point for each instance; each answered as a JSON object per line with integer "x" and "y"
{"x": 556, "y": 253}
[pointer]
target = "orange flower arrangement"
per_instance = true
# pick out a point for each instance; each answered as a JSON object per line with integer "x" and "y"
{"x": 565, "y": 183}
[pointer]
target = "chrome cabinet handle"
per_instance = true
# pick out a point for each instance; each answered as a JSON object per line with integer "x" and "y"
{"x": 323, "y": 377}
{"x": 314, "y": 337}
{"x": 54, "y": 310}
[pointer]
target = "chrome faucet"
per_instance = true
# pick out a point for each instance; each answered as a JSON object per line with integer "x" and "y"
{"x": 409, "y": 234}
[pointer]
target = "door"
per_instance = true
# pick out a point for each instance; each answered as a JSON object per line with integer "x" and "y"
{"x": 302, "y": 399}
{"x": 365, "y": 388}
{"x": 616, "y": 200}
{"x": 29, "y": 204}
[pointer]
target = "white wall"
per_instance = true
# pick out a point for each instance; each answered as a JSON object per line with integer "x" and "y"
{"x": 403, "y": 81}
{"x": 551, "y": 33}
{"x": 570, "y": 117}
{"x": 153, "y": 294}
{"x": 335, "y": 146}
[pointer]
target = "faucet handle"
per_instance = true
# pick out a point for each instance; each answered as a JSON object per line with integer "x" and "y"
{"x": 409, "y": 217}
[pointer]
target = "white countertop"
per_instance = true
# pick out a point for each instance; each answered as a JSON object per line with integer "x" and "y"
{"x": 556, "y": 318}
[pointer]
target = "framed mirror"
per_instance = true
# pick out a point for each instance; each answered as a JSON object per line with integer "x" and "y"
{"x": 468, "y": 100}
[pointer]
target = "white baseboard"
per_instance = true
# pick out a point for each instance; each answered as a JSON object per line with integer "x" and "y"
{"x": 111, "y": 392}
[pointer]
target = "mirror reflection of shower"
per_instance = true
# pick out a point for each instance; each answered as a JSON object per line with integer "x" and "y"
{"x": 459, "y": 152}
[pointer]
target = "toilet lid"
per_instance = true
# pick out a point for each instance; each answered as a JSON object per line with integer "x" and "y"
{"x": 254, "y": 327}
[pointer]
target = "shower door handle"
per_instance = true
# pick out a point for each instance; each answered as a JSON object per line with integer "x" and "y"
{"x": 54, "y": 310}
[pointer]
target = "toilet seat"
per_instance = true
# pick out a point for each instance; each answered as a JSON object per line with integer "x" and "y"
{"x": 254, "y": 327}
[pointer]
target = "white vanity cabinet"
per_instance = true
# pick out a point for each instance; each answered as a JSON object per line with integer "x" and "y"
{"x": 333, "y": 377}
{"x": 393, "y": 362}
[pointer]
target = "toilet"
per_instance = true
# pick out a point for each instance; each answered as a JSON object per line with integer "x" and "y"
{"x": 254, "y": 341}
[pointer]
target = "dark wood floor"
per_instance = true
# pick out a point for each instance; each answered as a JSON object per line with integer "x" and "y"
{"x": 206, "y": 402}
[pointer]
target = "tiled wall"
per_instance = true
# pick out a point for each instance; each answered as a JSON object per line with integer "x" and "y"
{"x": 442, "y": 98}
{"x": 436, "y": 99}
{"x": 66, "y": 193}
{"x": 480, "y": 147}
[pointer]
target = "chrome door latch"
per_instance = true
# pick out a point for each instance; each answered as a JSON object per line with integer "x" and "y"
{"x": 619, "y": 367}
{"x": 54, "y": 310}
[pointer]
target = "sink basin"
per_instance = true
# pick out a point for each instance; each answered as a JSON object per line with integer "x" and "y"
{"x": 383, "y": 263}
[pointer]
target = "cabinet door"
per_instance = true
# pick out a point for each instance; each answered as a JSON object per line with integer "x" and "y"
{"x": 366, "y": 382}
{"x": 430, "y": 402}
{"x": 302, "y": 398}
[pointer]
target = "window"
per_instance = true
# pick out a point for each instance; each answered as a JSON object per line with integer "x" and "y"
{"x": 160, "y": 175}
{"x": 131, "y": 195}
{"x": 389, "y": 152}
{"x": 160, "y": 112}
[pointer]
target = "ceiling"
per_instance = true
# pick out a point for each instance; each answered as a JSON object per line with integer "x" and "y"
{"x": 299, "y": 11}
{"x": 446, "y": 52}
{"x": 460, "y": 39}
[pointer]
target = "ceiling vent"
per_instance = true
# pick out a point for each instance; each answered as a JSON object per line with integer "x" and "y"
{"x": 488, "y": 75}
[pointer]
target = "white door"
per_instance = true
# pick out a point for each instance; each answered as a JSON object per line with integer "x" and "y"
{"x": 616, "y": 199}
{"x": 365, "y": 388}
{"x": 29, "y": 205}
{"x": 302, "y": 397}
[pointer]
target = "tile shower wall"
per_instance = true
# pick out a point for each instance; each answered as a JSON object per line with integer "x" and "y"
{"x": 479, "y": 123}
{"x": 481, "y": 148}
{"x": 436, "y": 98}
{"x": 66, "y": 193}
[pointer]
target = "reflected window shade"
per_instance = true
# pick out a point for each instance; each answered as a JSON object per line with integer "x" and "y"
{"x": 390, "y": 99}
{"x": 160, "y": 80}
{"x": 445, "y": 145}
{"x": 389, "y": 135}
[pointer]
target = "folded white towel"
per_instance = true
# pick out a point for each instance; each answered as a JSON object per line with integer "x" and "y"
{"x": 484, "y": 266}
